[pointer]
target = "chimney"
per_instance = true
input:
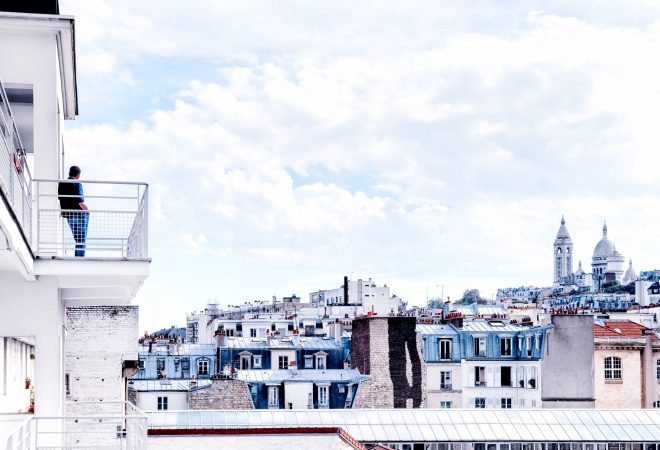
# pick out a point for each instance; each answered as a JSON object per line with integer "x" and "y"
{"x": 345, "y": 290}
{"x": 220, "y": 337}
{"x": 648, "y": 375}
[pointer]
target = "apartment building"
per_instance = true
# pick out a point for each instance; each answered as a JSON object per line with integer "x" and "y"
{"x": 627, "y": 365}
{"x": 483, "y": 363}
{"x": 57, "y": 307}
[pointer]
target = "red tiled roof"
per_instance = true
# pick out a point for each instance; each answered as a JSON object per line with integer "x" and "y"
{"x": 620, "y": 328}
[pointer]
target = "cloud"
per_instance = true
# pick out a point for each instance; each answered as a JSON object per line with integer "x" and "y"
{"x": 412, "y": 142}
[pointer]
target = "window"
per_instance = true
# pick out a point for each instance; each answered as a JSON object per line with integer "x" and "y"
{"x": 323, "y": 396}
{"x": 445, "y": 380}
{"x": 273, "y": 397}
{"x": 480, "y": 376}
{"x": 528, "y": 342}
{"x": 203, "y": 367}
{"x": 245, "y": 361}
{"x": 230, "y": 332}
{"x": 657, "y": 369}
{"x": 162, "y": 403}
{"x": 480, "y": 402}
{"x": 505, "y": 403}
{"x": 531, "y": 382}
{"x": 253, "y": 332}
{"x": 613, "y": 368}
{"x": 656, "y": 404}
{"x": 309, "y": 362}
{"x": 283, "y": 362}
{"x": 257, "y": 361}
{"x": 506, "y": 346}
{"x": 67, "y": 383}
{"x": 141, "y": 364}
{"x": 445, "y": 405}
{"x": 445, "y": 349}
{"x": 160, "y": 364}
{"x": 505, "y": 376}
{"x": 320, "y": 362}
{"x": 479, "y": 346}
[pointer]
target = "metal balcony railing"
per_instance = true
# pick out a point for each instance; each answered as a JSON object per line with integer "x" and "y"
{"x": 110, "y": 425}
{"x": 116, "y": 224}
{"x": 15, "y": 177}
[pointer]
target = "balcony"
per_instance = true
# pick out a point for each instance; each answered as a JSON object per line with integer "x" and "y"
{"x": 15, "y": 176}
{"x": 117, "y": 425}
{"x": 116, "y": 223}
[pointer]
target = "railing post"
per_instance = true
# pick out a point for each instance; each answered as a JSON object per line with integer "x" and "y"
{"x": 35, "y": 217}
{"x": 145, "y": 224}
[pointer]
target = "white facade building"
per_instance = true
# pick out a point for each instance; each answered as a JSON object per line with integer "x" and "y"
{"x": 363, "y": 293}
{"x": 39, "y": 277}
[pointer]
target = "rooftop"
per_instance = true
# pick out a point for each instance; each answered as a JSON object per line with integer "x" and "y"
{"x": 437, "y": 425}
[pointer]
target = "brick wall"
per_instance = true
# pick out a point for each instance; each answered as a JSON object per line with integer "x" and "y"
{"x": 222, "y": 394}
{"x": 98, "y": 339}
{"x": 388, "y": 349}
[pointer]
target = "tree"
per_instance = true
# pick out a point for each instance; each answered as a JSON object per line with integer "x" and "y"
{"x": 435, "y": 303}
{"x": 613, "y": 287}
{"x": 471, "y": 296}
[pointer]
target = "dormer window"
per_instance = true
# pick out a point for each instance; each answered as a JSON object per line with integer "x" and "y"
{"x": 309, "y": 362}
{"x": 445, "y": 349}
{"x": 479, "y": 346}
{"x": 321, "y": 359}
{"x": 256, "y": 361}
{"x": 246, "y": 360}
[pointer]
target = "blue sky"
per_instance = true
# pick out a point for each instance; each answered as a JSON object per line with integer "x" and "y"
{"x": 424, "y": 144}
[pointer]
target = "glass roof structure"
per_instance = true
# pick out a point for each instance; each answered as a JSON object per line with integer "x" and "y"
{"x": 438, "y": 425}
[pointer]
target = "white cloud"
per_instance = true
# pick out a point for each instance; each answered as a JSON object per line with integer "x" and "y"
{"x": 412, "y": 141}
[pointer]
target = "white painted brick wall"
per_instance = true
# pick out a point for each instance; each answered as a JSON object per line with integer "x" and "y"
{"x": 98, "y": 339}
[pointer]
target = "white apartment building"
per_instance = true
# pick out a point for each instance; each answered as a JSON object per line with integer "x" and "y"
{"x": 365, "y": 293}
{"x": 52, "y": 304}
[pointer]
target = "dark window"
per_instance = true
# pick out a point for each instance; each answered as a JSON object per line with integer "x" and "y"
{"x": 162, "y": 403}
{"x": 505, "y": 376}
{"x": 283, "y": 362}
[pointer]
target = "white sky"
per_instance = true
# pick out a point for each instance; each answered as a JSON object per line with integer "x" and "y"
{"x": 424, "y": 144}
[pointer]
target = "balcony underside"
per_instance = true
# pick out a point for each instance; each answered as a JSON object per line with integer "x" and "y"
{"x": 95, "y": 281}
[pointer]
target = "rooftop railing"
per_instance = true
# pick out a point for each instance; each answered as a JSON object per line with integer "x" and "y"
{"x": 111, "y": 425}
{"x": 115, "y": 225}
{"x": 15, "y": 177}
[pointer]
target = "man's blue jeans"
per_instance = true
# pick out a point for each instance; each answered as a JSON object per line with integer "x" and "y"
{"x": 78, "y": 224}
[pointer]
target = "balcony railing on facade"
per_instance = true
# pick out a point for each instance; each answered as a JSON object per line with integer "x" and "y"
{"x": 114, "y": 226}
{"x": 116, "y": 425}
{"x": 15, "y": 176}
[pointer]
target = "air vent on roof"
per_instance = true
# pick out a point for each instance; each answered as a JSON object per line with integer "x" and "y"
{"x": 496, "y": 323}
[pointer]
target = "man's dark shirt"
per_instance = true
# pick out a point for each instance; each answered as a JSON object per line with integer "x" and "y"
{"x": 73, "y": 189}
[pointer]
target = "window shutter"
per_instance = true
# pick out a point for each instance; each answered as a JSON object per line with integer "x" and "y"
{"x": 498, "y": 377}
{"x": 471, "y": 377}
{"x": 490, "y": 377}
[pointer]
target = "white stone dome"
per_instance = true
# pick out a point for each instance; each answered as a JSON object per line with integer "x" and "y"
{"x": 630, "y": 274}
{"x": 605, "y": 247}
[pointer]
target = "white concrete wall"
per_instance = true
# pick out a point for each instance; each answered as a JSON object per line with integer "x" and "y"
{"x": 34, "y": 309}
{"x": 148, "y": 401}
{"x": 297, "y": 394}
{"x": 30, "y": 58}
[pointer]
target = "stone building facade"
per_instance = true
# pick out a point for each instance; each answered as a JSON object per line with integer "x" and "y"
{"x": 222, "y": 394}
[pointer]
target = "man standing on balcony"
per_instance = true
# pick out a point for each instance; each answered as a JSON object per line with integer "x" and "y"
{"x": 72, "y": 203}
